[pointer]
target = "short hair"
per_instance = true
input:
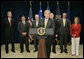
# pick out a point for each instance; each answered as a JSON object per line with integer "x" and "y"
{"x": 8, "y": 12}
{"x": 46, "y": 11}
{"x": 77, "y": 18}
{"x": 23, "y": 16}
{"x": 36, "y": 14}
{"x": 52, "y": 13}
{"x": 64, "y": 13}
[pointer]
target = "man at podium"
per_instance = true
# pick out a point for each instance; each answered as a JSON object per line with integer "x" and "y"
{"x": 46, "y": 22}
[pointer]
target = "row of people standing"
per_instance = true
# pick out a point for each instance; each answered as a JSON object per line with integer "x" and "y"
{"x": 61, "y": 28}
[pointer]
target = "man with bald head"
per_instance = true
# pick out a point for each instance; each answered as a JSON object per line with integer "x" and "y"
{"x": 63, "y": 32}
{"x": 55, "y": 34}
{"x": 46, "y": 22}
{"x": 35, "y": 24}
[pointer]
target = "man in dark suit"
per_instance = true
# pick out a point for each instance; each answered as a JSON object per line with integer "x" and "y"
{"x": 55, "y": 34}
{"x": 47, "y": 23}
{"x": 9, "y": 31}
{"x": 63, "y": 32}
{"x": 23, "y": 28}
{"x": 35, "y": 24}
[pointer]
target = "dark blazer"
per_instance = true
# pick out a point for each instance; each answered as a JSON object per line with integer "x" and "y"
{"x": 56, "y": 21}
{"x": 21, "y": 28}
{"x": 34, "y": 24}
{"x": 50, "y": 23}
{"x": 8, "y": 31}
{"x": 66, "y": 28}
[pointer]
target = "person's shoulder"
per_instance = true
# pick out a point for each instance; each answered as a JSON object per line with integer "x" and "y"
{"x": 27, "y": 22}
{"x": 42, "y": 19}
{"x": 33, "y": 20}
{"x": 5, "y": 18}
{"x": 79, "y": 24}
{"x": 19, "y": 22}
{"x": 72, "y": 24}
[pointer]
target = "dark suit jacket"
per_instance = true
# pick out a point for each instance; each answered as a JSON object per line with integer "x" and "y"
{"x": 64, "y": 29}
{"x": 21, "y": 28}
{"x": 8, "y": 31}
{"x": 56, "y": 21}
{"x": 50, "y": 23}
{"x": 34, "y": 24}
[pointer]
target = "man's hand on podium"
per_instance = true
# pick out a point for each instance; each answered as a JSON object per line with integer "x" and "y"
{"x": 24, "y": 33}
{"x": 56, "y": 35}
{"x": 32, "y": 35}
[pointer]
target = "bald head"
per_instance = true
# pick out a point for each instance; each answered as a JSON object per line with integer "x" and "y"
{"x": 64, "y": 15}
{"x": 47, "y": 14}
{"x": 37, "y": 17}
{"x": 51, "y": 15}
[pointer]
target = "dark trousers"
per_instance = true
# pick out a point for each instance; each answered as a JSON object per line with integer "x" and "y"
{"x": 36, "y": 43}
{"x": 24, "y": 40}
{"x": 53, "y": 43}
{"x": 48, "y": 46}
{"x": 7, "y": 41}
{"x": 63, "y": 41}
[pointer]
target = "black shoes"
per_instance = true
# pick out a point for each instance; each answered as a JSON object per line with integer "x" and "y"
{"x": 54, "y": 51}
{"x": 35, "y": 50}
{"x": 7, "y": 52}
{"x": 21, "y": 51}
{"x": 28, "y": 51}
{"x": 61, "y": 51}
{"x": 13, "y": 51}
{"x": 65, "y": 51}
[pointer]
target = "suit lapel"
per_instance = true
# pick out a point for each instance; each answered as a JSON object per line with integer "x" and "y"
{"x": 66, "y": 22}
{"x": 8, "y": 22}
{"x": 43, "y": 22}
{"x": 35, "y": 23}
{"x": 47, "y": 23}
{"x": 62, "y": 21}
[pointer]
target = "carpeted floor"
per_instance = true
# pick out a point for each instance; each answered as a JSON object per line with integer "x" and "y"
{"x": 32, "y": 54}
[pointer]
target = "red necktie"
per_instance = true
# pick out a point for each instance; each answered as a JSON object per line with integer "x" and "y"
{"x": 23, "y": 25}
{"x": 10, "y": 23}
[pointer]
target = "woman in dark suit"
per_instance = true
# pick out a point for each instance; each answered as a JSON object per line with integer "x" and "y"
{"x": 75, "y": 33}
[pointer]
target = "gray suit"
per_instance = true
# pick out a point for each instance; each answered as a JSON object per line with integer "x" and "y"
{"x": 35, "y": 39}
{"x": 23, "y": 39}
{"x": 49, "y": 40}
{"x": 63, "y": 33}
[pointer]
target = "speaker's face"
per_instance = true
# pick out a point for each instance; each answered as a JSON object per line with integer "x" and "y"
{"x": 47, "y": 14}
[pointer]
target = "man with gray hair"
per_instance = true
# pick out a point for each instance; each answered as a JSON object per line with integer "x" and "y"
{"x": 55, "y": 34}
{"x": 35, "y": 24}
{"x": 47, "y": 23}
{"x": 63, "y": 32}
{"x": 9, "y": 31}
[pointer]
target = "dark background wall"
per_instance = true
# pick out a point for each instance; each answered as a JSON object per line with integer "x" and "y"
{"x": 20, "y": 8}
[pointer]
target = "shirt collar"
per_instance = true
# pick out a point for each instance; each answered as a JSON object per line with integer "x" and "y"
{"x": 23, "y": 22}
{"x": 9, "y": 18}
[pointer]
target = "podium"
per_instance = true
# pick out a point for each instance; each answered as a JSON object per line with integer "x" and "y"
{"x": 41, "y": 34}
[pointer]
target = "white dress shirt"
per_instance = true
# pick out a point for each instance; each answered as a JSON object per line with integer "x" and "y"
{"x": 64, "y": 21}
{"x": 9, "y": 19}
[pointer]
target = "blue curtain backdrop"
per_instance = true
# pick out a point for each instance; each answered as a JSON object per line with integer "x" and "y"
{"x": 20, "y": 8}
